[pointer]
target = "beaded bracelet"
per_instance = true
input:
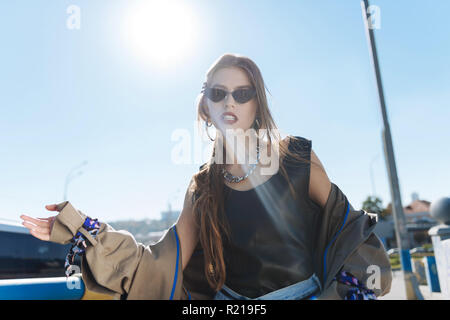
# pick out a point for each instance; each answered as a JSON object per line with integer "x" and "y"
{"x": 79, "y": 245}
{"x": 359, "y": 291}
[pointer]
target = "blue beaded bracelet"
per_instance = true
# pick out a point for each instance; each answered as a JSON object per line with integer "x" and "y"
{"x": 79, "y": 245}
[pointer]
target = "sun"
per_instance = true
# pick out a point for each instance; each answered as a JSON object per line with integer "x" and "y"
{"x": 160, "y": 32}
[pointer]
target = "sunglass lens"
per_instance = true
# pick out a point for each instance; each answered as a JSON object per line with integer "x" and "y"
{"x": 244, "y": 95}
{"x": 215, "y": 94}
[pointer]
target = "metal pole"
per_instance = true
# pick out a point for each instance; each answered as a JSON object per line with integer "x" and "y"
{"x": 403, "y": 241}
{"x": 69, "y": 177}
{"x": 374, "y": 192}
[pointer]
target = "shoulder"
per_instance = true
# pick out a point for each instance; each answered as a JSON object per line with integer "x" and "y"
{"x": 299, "y": 144}
{"x": 319, "y": 183}
{"x": 296, "y": 146}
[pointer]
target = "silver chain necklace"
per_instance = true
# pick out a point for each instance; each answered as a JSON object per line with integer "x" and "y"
{"x": 235, "y": 179}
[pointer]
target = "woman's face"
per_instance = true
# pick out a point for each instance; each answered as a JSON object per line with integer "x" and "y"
{"x": 230, "y": 79}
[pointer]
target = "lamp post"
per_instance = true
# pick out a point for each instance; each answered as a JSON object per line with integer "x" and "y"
{"x": 371, "y": 175}
{"x": 70, "y": 177}
{"x": 403, "y": 242}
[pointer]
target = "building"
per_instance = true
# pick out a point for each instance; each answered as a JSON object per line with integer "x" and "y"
{"x": 418, "y": 219}
{"x": 169, "y": 216}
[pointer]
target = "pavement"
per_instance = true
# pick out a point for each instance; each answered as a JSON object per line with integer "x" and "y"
{"x": 398, "y": 290}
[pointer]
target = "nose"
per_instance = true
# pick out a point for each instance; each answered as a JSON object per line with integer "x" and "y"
{"x": 229, "y": 100}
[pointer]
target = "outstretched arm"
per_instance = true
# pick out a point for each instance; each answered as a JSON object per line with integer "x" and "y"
{"x": 113, "y": 262}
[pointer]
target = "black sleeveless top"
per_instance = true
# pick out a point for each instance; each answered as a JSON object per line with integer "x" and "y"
{"x": 271, "y": 233}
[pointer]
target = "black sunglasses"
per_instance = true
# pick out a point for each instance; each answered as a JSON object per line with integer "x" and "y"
{"x": 241, "y": 95}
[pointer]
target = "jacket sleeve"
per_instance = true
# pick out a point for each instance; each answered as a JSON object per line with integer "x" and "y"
{"x": 348, "y": 243}
{"x": 370, "y": 264}
{"x": 115, "y": 264}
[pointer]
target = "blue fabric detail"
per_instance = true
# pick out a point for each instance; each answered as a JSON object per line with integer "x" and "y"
{"x": 79, "y": 244}
{"x": 176, "y": 265}
{"x": 331, "y": 242}
{"x": 358, "y": 291}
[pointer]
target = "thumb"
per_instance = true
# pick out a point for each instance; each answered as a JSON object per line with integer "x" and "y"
{"x": 51, "y": 207}
{"x": 56, "y": 206}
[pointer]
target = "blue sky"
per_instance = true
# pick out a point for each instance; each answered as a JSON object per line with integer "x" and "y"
{"x": 70, "y": 95}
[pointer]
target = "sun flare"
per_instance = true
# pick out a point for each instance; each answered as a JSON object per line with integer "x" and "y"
{"x": 161, "y": 32}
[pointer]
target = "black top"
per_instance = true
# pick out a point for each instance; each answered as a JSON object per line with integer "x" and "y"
{"x": 271, "y": 232}
{"x": 270, "y": 245}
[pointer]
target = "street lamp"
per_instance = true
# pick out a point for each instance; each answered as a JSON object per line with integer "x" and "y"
{"x": 411, "y": 285}
{"x": 371, "y": 175}
{"x": 70, "y": 177}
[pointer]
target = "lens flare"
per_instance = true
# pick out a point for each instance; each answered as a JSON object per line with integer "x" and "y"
{"x": 160, "y": 32}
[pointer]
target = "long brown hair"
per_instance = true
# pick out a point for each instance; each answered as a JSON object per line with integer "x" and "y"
{"x": 208, "y": 186}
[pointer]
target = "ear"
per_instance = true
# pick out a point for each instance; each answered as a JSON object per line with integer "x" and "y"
{"x": 204, "y": 112}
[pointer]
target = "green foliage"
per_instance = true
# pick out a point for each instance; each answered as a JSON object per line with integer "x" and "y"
{"x": 373, "y": 204}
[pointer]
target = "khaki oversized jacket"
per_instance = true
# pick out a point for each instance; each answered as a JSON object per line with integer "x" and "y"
{"x": 115, "y": 264}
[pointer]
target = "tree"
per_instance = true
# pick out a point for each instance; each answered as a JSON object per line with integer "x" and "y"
{"x": 373, "y": 204}
{"x": 386, "y": 211}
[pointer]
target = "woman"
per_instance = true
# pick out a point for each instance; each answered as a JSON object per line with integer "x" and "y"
{"x": 274, "y": 229}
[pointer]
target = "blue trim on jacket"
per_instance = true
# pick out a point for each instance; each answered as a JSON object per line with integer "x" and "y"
{"x": 331, "y": 242}
{"x": 176, "y": 265}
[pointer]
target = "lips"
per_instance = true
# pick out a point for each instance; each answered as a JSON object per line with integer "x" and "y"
{"x": 229, "y": 117}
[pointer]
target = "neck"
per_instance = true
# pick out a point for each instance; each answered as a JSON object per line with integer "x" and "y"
{"x": 241, "y": 151}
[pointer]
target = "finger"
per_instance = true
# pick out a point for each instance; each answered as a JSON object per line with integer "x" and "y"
{"x": 38, "y": 222}
{"x": 49, "y": 219}
{"x": 44, "y": 230}
{"x": 36, "y": 233}
{"x": 39, "y": 235}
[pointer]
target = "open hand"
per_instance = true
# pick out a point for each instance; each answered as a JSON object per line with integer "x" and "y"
{"x": 40, "y": 228}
